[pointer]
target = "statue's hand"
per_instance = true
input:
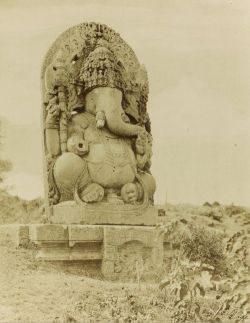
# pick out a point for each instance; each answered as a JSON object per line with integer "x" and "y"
{"x": 53, "y": 111}
{"x": 141, "y": 160}
{"x": 77, "y": 145}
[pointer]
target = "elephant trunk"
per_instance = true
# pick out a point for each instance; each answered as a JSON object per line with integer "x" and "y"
{"x": 116, "y": 125}
{"x": 106, "y": 102}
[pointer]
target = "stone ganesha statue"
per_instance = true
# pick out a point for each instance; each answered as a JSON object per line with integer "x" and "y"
{"x": 97, "y": 136}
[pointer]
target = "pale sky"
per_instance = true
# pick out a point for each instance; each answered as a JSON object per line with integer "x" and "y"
{"x": 197, "y": 53}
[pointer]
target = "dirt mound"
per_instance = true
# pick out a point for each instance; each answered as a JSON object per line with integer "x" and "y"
{"x": 16, "y": 210}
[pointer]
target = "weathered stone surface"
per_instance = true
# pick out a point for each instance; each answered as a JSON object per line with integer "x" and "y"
{"x": 127, "y": 250}
{"x": 57, "y": 252}
{"x": 86, "y": 251}
{"x": 62, "y": 242}
{"x": 101, "y": 213}
{"x": 97, "y": 138}
{"x": 53, "y": 253}
{"x": 43, "y": 233}
{"x": 86, "y": 233}
{"x": 118, "y": 235}
{"x": 98, "y": 148}
{"x": 120, "y": 249}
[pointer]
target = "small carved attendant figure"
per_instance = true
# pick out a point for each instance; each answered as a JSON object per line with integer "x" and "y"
{"x": 131, "y": 193}
{"x": 143, "y": 151}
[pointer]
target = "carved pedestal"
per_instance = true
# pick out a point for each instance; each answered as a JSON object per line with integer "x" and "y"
{"x": 131, "y": 252}
{"x": 103, "y": 213}
{"x": 124, "y": 251}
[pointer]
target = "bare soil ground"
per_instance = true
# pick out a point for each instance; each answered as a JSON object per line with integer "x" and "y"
{"x": 32, "y": 291}
{"x": 45, "y": 292}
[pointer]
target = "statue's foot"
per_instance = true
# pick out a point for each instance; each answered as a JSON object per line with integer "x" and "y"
{"x": 112, "y": 196}
{"x": 92, "y": 193}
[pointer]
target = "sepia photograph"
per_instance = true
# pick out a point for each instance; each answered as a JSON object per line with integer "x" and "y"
{"x": 124, "y": 161}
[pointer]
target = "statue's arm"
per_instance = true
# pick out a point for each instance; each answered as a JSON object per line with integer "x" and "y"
{"x": 52, "y": 130}
{"x": 141, "y": 160}
{"x": 76, "y": 139}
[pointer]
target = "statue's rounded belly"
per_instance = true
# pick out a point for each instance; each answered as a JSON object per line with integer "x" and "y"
{"x": 111, "y": 164}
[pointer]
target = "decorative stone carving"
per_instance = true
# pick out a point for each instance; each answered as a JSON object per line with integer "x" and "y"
{"x": 98, "y": 149}
{"x": 97, "y": 134}
{"x": 127, "y": 247}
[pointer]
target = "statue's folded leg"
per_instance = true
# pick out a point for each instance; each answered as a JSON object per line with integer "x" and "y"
{"x": 70, "y": 173}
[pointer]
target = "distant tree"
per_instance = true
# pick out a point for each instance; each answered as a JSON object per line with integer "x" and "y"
{"x": 216, "y": 204}
{"x": 5, "y": 165}
{"x": 207, "y": 204}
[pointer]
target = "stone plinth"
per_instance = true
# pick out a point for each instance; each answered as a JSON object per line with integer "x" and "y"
{"x": 131, "y": 251}
{"x": 42, "y": 233}
{"x": 122, "y": 250}
{"x": 103, "y": 213}
{"x": 67, "y": 242}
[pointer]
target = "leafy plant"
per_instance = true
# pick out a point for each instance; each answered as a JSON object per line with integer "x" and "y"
{"x": 186, "y": 284}
{"x": 205, "y": 246}
{"x": 234, "y": 296}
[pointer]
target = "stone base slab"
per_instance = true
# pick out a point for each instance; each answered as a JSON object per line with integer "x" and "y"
{"x": 64, "y": 253}
{"x": 103, "y": 213}
{"x": 120, "y": 249}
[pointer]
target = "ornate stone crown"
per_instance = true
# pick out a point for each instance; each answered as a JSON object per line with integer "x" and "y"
{"x": 95, "y": 55}
{"x": 101, "y": 68}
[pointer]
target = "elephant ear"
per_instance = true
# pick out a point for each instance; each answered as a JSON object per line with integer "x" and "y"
{"x": 131, "y": 106}
{"x": 136, "y": 96}
{"x": 142, "y": 80}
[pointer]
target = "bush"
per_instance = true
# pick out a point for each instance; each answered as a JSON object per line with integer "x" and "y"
{"x": 232, "y": 210}
{"x": 205, "y": 246}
